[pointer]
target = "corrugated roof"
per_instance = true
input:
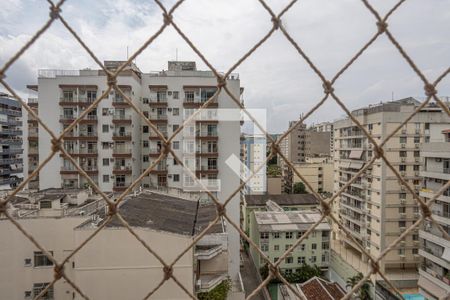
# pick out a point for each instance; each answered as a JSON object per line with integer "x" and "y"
{"x": 282, "y": 200}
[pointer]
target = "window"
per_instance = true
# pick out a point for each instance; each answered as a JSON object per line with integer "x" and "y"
{"x": 313, "y": 259}
{"x": 175, "y": 95}
{"x": 288, "y": 271}
{"x": 416, "y": 139}
{"x": 276, "y": 247}
{"x": 403, "y": 154}
{"x": 106, "y": 161}
{"x": 276, "y": 235}
{"x": 287, "y": 246}
{"x": 301, "y": 260}
{"x": 325, "y": 245}
{"x": 39, "y": 287}
{"x": 40, "y": 260}
{"x": 176, "y": 145}
{"x": 145, "y": 158}
{"x": 289, "y": 235}
{"x": 105, "y": 178}
{"x": 403, "y": 140}
{"x": 289, "y": 260}
{"x": 175, "y": 127}
{"x": 176, "y": 177}
{"x": 313, "y": 234}
{"x": 416, "y": 153}
{"x": 402, "y": 168}
{"x": 105, "y": 145}
{"x": 264, "y": 247}
{"x": 189, "y": 96}
{"x": 145, "y": 129}
{"x": 416, "y": 167}
{"x": 105, "y": 128}
{"x": 302, "y": 247}
{"x": 314, "y": 246}
{"x": 415, "y": 251}
{"x": 299, "y": 234}
{"x": 175, "y": 111}
{"x": 45, "y": 204}
{"x": 402, "y": 210}
{"x": 415, "y": 237}
{"x": 275, "y": 259}
{"x": 104, "y": 111}
{"x": 370, "y": 126}
{"x": 401, "y": 251}
{"x": 401, "y": 223}
{"x": 145, "y": 144}
{"x": 264, "y": 235}
{"x": 27, "y": 294}
{"x": 325, "y": 234}
{"x": 27, "y": 262}
{"x": 175, "y": 162}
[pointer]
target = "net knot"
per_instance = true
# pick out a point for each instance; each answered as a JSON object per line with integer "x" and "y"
{"x": 274, "y": 148}
{"x": 220, "y": 209}
{"x": 167, "y": 19}
{"x": 2, "y": 75}
{"x": 166, "y": 148}
{"x": 273, "y": 271}
{"x": 375, "y": 266}
{"x": 168, "y": 271}
{"x": 2, "y": 207}
{"x": 111, "y": 80}
{"x": 378, "y": 152}
{"x": 58, "y": 271}
{"x": 327, "y": 87}
{"x": 382, "y": 26}
{"x": 425, "y": 210}
{"x": 56, "y": 145}
{"x": 325, "y": 208}
{"x": 54, "y": 12}
{"x": 112, "y": 209}
{"x": 276, "y": 23}
{"x": 430, "y": 90}
{"x": 221, "y": 82}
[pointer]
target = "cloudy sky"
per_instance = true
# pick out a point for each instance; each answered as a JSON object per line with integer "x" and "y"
{"x": 275, "y": 77}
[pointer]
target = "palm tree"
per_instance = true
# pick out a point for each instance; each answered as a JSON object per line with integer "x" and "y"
{"x": 364, "y": 290}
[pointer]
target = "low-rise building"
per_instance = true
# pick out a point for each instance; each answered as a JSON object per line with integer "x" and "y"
{"x": 318, "y": 172}
{"x": 293, "y": 202}
{"x": 276, "y": 230}
{"x": 114, "y": 264}
{"x": 315, "y": 288}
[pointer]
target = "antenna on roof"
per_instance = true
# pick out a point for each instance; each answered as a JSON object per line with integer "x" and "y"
{"x": 127, "y": 52}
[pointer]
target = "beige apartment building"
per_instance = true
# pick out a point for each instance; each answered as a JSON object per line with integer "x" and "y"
{"x": 114, "y": 264}
{"x": 434, "y": 271}
{"x": 318, "y": 172}
{"x": 301, "y": 143}
{"x": 376, "y": 208}
{"x": 114, "y": 145}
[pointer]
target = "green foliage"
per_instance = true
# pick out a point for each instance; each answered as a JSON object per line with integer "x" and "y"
{"x": 273, "y": 170}
{"x": 273, "y": 160}
{"x": 299, "y": 188}
{"x": 220, "y": 292}
{"x": 301, "y": 275}
{"x": 363, "y": 293}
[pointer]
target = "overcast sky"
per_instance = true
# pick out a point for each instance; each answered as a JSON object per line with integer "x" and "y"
{"x": 275, "y": 77}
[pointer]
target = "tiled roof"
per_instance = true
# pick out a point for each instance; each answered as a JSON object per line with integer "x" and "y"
{"x": 319, "y": 289}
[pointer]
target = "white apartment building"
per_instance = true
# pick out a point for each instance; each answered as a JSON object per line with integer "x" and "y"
{"x": 114, "y": 264}
{"x": 434, "y": 281}
{"x": 376, "y": 208}
{"x": 114, "y": 145}
{"x": 253, "y": 151}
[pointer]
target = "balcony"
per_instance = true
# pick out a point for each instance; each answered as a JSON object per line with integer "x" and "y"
{"x": 11, "y": 141}
{"x": 119, "y": 102}
{"x": 89, "y": 119}
{"x": 207, "y": 153}
{"x": 206, "y": 170}
{"x": 121, "y": 152}
{"x": 159, "y": 102}
{"x": 207, "y": 252}
{"x": 161, "y": 169}
{"x": 210, "y": 136}
{"x": 121, "y": 119}
{"x": 207, "y": 282}
{"x": 91, "y": 170}
{"x": 121, "y": 136}
{"x": 68, "y": 101}
{"x": 120, "y": 186}
{"x": 154, "y": 152}
{"x": 155, "y": 136}
{"x": 86, "y": 152}
{"x": 65, "y": 170}
{"x": 190, "y": 103}
{"x": 119, "y": 169}
{"x": 158, "y": 118}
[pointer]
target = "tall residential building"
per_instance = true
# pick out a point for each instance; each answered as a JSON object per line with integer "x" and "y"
{"x": 253, "y": 150}
{"x": 31, "y": 139}
{"x": 299, "y": 144}
{"x": 11, "y": 163}
{"x": 114, "y": 145}
{"x": 326, "y": 127}
{"x": 434, "y": 281}
{"x": 376, "y": 208}
{"x": 318, "y": 172}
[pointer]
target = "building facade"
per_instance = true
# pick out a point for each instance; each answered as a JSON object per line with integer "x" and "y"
{"x": 113, "y": 145}
{"x": 276, "y": 230}
{"x": 376, "y": 208}
{"x": 11, "y": 149}
{"x": 253, "y": 149}
{"x": 434, "y": 281}
{"x": 318, "y": 172}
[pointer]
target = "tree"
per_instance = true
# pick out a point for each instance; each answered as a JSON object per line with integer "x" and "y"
{"x": 273, "y": 170}
{"x": 304, "y": 273}
{"x": 299, "y": 188}
{"x": 363, "y": 293}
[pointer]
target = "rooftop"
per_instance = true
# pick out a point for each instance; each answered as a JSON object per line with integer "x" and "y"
{"x": 282, "y": 199}
{"x": 319, "y": 289}
{"x": 162, "y": 212}
{"x": 269, "y": 221}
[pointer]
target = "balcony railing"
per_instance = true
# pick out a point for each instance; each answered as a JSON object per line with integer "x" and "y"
{"x": 122, "y": 134}
{"x": 122, "y": 117}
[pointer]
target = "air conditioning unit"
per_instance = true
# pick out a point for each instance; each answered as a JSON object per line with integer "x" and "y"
{"x": 112, "y": 176}
{"x": 403, "y": 145}
{"x": 403, "y": 131}
{"x": 416, "y": 173}
{"x": 417, "y": 131}
{"x": 417, "y": 159}
{"x": 169, "y": 109}
{"x": 111, "y": 111}
{"x": 402, "y": 257}
{"x": 403, "y": 159}
{"x": 169, "y": 176}
{"x": 402, "y": 201}
{"x": 417, "y": 146}
{"x": 144, "y": 100}
{"x": 403, "y": 173}
{"x": 402, "y": 216}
